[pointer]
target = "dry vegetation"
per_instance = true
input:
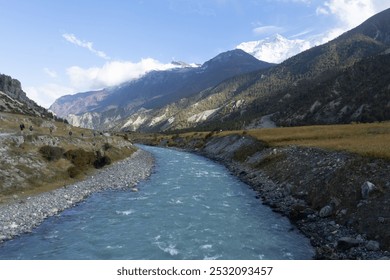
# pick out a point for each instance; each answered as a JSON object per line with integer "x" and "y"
{"x": 47, "y": 160}
{"x": 370, "y": 140}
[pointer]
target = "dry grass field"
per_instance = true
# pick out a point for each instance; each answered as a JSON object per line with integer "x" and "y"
{"x": 370, "y": 139}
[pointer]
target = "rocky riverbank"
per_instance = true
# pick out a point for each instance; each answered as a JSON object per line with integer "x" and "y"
{"x": 340, "y": 201}
{"x": 23, "y": 215}
{"x": 327, "y": 195}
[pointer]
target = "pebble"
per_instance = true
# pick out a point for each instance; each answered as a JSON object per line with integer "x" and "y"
{"x": 17, "y": 218}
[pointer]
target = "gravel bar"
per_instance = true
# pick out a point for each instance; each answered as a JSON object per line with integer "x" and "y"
{"x": 23, "y": 215}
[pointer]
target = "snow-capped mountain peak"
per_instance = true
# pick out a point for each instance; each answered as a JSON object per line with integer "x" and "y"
{"x": 275, "y": 49}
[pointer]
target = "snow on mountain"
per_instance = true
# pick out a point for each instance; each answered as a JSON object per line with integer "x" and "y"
{"x": 275, "y": 49}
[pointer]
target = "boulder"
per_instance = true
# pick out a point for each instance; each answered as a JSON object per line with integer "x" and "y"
{"x": 372, "y": 245}
{"x": 326, "y": 211}
{"x": 345, "y": 243}
{"x": 366, "y": 189}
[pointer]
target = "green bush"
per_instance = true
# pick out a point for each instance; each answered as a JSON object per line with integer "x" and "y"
{"x": 51, "y": 153}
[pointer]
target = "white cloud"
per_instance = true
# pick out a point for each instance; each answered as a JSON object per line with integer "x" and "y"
{"x": 50, "y": 73}
{"x": 112, "y": 73}
{"x": 267, "y": 30}
{"x": 349, "y": 14}
{"x": 46, "y": 94}
{"x": 87, "y": 45}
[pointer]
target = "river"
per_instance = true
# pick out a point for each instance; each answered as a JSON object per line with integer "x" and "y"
{"x": 190, "y": 208}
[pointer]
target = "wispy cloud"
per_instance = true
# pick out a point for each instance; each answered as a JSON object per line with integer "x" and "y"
{"x": 50, "y": 73}
{"x": 84, "y": 44}
{"x": 267, "y": 30}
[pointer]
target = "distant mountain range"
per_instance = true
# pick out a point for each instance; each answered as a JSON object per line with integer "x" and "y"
{"x": 104, "y": 108}
{"x": 342, "y": 81}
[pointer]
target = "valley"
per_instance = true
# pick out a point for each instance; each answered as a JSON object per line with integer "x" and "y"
{"x": 309, "y": 133}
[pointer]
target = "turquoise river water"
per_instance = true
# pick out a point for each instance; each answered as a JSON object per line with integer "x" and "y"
{"x": 190, "y": 208}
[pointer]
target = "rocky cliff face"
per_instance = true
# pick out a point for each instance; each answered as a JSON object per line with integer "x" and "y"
{"x": 14, "y": 100}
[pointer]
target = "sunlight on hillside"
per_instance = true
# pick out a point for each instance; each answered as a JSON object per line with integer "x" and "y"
{"x": 365, "y": 139}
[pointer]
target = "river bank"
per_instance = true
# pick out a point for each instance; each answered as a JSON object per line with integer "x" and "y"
{"x": 23, "y": 215}
{"x": 339, "y": 200}
{"x": 298, "y": 183}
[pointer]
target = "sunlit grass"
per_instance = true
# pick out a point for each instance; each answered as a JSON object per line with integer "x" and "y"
{"x": 371, "y": 140}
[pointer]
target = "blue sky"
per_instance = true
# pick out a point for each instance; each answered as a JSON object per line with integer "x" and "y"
{"x": 57, "y": 47}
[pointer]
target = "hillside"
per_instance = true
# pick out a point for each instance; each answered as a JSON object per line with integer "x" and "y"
{"x": 48, "y": 156}
{"x": 46, "y": 152}
{"x": 100, "y": 109}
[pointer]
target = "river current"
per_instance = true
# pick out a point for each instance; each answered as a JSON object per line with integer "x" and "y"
{"x": 190, "y": 208}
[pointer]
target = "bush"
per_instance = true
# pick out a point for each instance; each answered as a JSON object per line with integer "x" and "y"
{"x": 106, "y": 146}
{"x": 73, "y": 171}
{"x": 51, "y": 153}
{"x": 80, "y": 157}
{"x": 101, "y": 161}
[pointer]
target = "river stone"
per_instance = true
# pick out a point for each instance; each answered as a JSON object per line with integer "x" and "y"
{"x": 345, "y": 243}
{"x": 372, "y": 245}
{"x": 367, "y": 188}
{"x": 326, "y": 211}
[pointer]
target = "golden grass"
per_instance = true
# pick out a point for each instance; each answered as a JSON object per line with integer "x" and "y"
{"x": 372, "y": 140}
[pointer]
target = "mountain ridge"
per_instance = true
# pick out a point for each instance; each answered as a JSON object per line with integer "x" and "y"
{"x": 155, "y": 89}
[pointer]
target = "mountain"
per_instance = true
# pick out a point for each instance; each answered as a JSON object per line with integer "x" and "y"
{"x": 345, "y": 80}
{"x": 275, "y": 49}
{"x": 342, "y": 81}
{"x": 101, "y": 109}
{"x": 14, "y": 100}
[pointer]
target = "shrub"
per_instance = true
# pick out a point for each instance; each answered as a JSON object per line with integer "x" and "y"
{"x": 73, "y": 171}
{"x": 51, "y": 153}
{"x": 80, "y": 157}
{"x": 106, "y": 146}
{"x": 101, "y": 161}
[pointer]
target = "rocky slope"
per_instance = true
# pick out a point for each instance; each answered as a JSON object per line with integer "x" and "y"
{"x": 51, "y": 153}
{"x": 339, "y": 200}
